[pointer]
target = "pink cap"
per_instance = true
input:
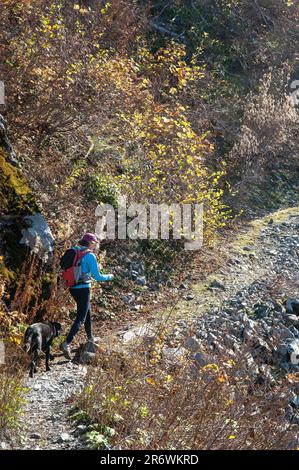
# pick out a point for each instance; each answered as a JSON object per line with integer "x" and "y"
{"x": 90, "y": 237}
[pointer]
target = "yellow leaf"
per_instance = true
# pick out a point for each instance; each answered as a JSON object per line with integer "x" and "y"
{"x": 213, "y": 367}
{"x": 221, "y": 378}
{"x": 150, "y": 381}
{"x": 293, "y": 377}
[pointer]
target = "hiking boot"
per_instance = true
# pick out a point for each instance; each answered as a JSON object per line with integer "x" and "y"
{"x": 64, "y": 347}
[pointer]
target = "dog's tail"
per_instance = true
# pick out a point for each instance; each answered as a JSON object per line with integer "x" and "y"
{"x": 28, "y": 340}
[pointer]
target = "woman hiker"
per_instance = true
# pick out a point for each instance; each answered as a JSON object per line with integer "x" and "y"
{"x": 81, "y": 291}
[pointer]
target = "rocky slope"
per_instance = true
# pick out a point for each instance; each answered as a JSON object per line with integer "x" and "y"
{"x": 251, "y": 307}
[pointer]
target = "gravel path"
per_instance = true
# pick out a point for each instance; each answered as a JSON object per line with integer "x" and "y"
{"x": 266, "y": 254}
{"x": 45, "y": 424}
{"x": 262, "y": 270}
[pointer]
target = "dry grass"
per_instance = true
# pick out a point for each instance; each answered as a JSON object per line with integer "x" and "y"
{"x": 12, "y": 390}
{"x": 269, "y": 131}
{"x": 154, "y": 404}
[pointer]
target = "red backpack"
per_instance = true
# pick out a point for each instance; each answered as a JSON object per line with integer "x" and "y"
{"x": 70, "y": 264}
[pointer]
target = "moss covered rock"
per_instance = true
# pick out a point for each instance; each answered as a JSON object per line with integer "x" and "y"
{"x": 15, "y": 195}
{"x": 17, "y": 202}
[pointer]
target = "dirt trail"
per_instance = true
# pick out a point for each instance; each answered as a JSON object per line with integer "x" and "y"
{"x": 268, "y": 249}
{"x": 45, "y": 424}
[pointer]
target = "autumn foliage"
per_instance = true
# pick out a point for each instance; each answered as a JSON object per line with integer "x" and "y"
{"x": 84, "y": 103}
{"x": 164, "y": 102}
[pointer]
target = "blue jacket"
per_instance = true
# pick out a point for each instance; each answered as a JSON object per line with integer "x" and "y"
{"x": 90, "y": 269}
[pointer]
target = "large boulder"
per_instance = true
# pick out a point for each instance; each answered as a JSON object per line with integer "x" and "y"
{"x": 23, "y": 228}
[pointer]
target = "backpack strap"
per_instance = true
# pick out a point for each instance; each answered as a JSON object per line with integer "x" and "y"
{"x": 80, "y": 254}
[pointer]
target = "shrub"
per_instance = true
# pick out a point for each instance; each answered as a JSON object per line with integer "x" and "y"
{"x": 12, "y": 390}
{"x": 232, "y": 36}
{"x": 153, "y": 405}
{"x": 269, "y": 132}
{"x": 101, "y": 189}
{"x": 137, "y": 100}
{"x": 12, "y": 398}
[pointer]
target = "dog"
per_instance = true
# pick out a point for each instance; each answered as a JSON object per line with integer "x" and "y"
{"x": 39, "y": 337}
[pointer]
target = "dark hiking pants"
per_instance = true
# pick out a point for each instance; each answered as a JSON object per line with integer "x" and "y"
{"x": 82, "y": 298}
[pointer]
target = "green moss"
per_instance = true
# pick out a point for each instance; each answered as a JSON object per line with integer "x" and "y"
{"x": 15, "y": 194}
{"x": 16, "y": 200}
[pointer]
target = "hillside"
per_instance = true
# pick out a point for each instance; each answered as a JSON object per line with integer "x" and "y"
{"x": 172, "y": 107}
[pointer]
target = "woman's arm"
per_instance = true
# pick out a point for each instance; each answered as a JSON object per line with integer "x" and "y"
{"x": 94, "y": 269}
